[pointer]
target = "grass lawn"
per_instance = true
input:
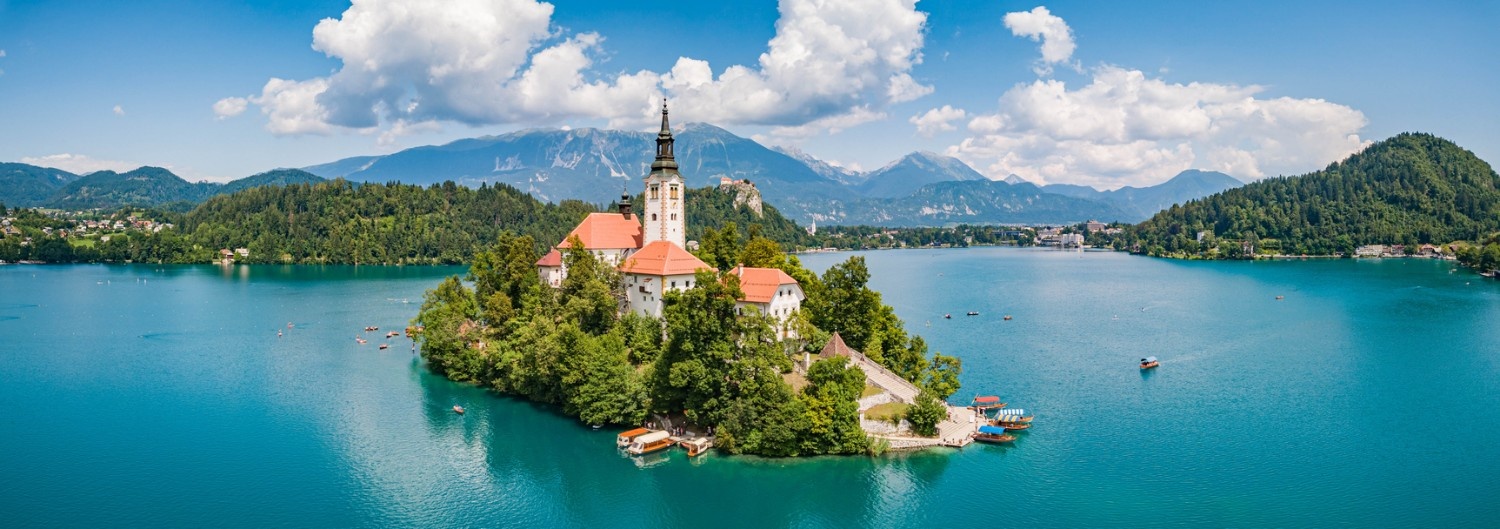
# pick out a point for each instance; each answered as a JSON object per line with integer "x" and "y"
{"x": 887, "y": 412}
{"x": 81, "y": 242}
{"x": 871, "y": 390}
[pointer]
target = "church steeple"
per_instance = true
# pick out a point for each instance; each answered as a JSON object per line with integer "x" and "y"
{"x": 664, "y": 157}
{"x": 666, "y": 192}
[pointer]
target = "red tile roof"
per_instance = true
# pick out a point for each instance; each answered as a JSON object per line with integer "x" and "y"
{"x": 662, "y": 258}
{"x": 553, "y": 258}
{"x": 600, "y": 231}
{"x": 760, "y": 284}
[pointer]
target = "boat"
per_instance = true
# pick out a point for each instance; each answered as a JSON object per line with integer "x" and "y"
{"x": 1016, "y": 415}
{"x": 385, "y": 346}
{"x": 372, "y": 328}
{"x": 650, "y": 442}
{"x": 696, "y": 447}
{"x": 947, "y": 316}
{"x": 458, "y": 409}
{"x": 1009, "y": 426}
{"x": 392, "y": 334}
{"x": 1278, "y": 298}
{"x": 993, "y": 435}
{"x": 623, "y": 440}
{"x": 987, "y": 402}
{"x": 973, "y": 313}
{"x": 1149, "y": 362}
{"x": 360, "y": 340}
{"x": 1007, "y": 317}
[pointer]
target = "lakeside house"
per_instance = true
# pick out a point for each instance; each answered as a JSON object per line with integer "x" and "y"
{"x": 649, "y": 249}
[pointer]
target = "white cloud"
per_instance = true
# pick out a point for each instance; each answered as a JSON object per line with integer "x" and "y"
{"x": 1040, "y": 24}
{"x": 937, "y": 120}
{"x": 2, "y": 53}
{"x": 78, "y": 163}
{"x": 230, "y": 107}
{"x": 1126, "y": 128}
{"x": 488, "y": 62}
{"x": 119, "y": 111}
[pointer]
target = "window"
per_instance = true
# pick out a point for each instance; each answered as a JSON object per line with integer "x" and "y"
{"x": 654, "y": 191}
{"x": 673, "y": 190}
{"x": 674, "y": 284}
{"x": 674, "y": 216}
{"x": 653, "y": 216}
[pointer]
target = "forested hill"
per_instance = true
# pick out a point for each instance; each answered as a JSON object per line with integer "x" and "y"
{"x": 1410, "y": 189}
{"x": 337, "y": 222}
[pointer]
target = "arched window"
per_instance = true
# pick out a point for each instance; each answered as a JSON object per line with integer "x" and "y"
{"x": 673, "y": 190}
{"x": 654, "y": 189}
{"x": 653, "y": 216}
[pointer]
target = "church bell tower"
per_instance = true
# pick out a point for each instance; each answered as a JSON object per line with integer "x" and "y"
{"x": 664, "y": 216}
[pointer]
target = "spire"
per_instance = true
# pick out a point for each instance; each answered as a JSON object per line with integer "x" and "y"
{"x": 664, "y": 157}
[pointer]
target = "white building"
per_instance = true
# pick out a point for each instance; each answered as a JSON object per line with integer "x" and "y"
{"x": 772, "y": 292}
{"x": 658, "y": 268}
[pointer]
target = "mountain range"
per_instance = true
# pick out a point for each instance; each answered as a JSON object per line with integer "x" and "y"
{"x": 31, "y": 186}
{"x": 595, "y": 165}
{"x": 919, "y": 189}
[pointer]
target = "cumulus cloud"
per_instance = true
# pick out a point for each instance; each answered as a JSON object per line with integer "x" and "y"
{"x": 937, "y": 120}
{"x": 409, "y": 62}
{"x": 119, "y": 110}
{"x": 230, "y": 107}
{"x": 78, "y": 163}
{"x": 1126, "y": 128}
{"x": 1041, "y": 25}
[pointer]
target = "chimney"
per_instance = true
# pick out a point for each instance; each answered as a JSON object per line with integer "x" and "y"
{"x": 625, "y": 205}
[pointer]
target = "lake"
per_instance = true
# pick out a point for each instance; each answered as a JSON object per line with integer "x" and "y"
{"x": 1368, "y": 396}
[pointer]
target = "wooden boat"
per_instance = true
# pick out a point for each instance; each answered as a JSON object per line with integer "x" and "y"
{"x": 650, "y": 442}
{"x": 1007, "y": 317}
{"x": 992, "y": 435}
{"x": 623, "y": 440}
{"x": 1010, "y": 426}
{"x": 696, "y": 447}
{"x": 372, "y": 328}
{"x": 987, "y": 402}
{"x": 360, "y": 340}
{"x": 1013, "y": 415}
{"x": 392, "y": 334}
{"x": 385, "y": 346}
{"x": 458, "y": 409}
{"x": 1149, "y": 362}
{"x": 973, "y": 313}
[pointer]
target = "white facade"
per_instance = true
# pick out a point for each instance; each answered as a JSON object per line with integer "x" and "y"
{"x": 787, "y": 301}
{"x": 643, "y": 292}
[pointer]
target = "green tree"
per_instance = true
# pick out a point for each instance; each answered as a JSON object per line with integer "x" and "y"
{"x": 925, "y": 415}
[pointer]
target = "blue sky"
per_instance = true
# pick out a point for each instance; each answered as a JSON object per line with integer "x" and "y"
{"x": 1146, "y": 89}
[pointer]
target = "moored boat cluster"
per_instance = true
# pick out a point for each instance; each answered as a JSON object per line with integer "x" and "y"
{"x": 999, "y": 427}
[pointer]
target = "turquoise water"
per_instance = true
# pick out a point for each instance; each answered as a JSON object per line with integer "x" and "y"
{"x": 1369, "y": 396}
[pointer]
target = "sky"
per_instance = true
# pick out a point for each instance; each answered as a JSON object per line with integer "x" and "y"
{"x": 1096, "y": 93}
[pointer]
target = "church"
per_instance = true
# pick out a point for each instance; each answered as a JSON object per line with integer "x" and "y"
{"x": 648, "y": 248}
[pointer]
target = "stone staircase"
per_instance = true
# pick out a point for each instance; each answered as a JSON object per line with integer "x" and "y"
{"x": 953, "y": 431}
